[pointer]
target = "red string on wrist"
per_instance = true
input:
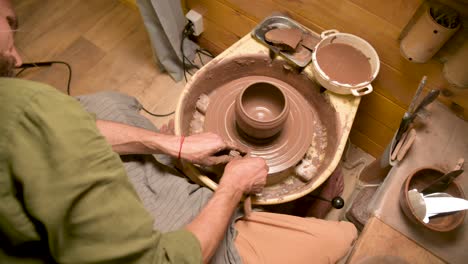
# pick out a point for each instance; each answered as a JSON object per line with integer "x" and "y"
{"x": 180, "y": 147}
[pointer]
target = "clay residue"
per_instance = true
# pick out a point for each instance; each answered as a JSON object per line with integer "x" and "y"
{"x": 197, "y": 122}
{"x": 301, "y": 53}
{"x": 202, "y": 103}
{"x": 294, "y": 42}
{"x": 309, "y": 165}
{"x": 344, "y": 64}
{"x": 284, "y": 38}
{"x": 309, "y": 41}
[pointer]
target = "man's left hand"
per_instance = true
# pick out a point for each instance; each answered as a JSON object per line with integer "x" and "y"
{"x": 209, "y": 149}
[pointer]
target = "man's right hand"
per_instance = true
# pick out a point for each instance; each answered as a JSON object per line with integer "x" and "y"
{"x": 245, "y": 174}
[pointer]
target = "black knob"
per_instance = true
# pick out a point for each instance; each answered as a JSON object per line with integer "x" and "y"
{"x": 337, "y": 202}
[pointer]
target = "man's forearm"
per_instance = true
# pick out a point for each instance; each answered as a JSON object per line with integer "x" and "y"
{"x": 126, "y": 139}
{"x": 211, "y": 224}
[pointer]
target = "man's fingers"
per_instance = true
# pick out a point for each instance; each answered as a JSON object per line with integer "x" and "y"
{"x": 219, "y": 160}
{"x": 233, "y": 146}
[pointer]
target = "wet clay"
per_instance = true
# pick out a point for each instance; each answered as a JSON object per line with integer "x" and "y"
{"x": 344, "y": 63}
{"x": 261, "y": 109}
{"x": 262, "y": 102}
{"x": 325, "y": 135}
{"x": 285, "y": 38}
{"x": 309, "y": 41}
{"x": 280, "y": 152}
{"x": 302, "y": 54}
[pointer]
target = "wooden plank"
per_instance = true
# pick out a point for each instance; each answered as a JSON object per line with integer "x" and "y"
{"x": 81, "y": 55}
{"x": 131, "y": 3}
{"x": 31, "y": 14}
{"x": 397, "y": 12}
{"x": 76, "y": 21}
{"x": 157, "y": 98}
{"x": 113, "y": 27}
{"x": 382, "y": 109}
{"x": 365, "y": 143}
{"x": 207, "y": 44}
{"x": 379, "y": 239}
{"x": 120, "y": 63}
{"x": 217, "y": 35}
{"x": 256, "y": 10}
{"x": 93, "y": 69}
{"x": 217, "y": 11}
{"x": 372, "y": 128}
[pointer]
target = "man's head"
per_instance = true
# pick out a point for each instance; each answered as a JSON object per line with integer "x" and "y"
{"x": 9, "y": 57}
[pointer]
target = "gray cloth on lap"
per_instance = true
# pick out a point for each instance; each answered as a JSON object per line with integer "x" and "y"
{"x": 170, "y": 198}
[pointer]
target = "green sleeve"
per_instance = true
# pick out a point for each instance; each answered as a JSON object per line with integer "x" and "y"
{"x": 75, "y": 188}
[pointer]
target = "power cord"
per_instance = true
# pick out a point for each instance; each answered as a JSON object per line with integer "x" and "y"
{"x": 187, "y": 32}
{"x": 204, "y": 52}
{"x": 26, "y": 66}
{"x": 157, "y": 115}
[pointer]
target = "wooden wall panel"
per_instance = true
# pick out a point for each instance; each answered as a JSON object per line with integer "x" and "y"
{"x": 396, "y": 12}
{"x": 372, "y": 128}
{"x": 378, "y": 21}
{"x": 218, "y": 35}
{"x": 366, "y": 143}
{"x": 224, "y": 16}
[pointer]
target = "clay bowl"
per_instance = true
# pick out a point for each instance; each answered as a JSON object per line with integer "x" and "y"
{"x": 261, "y": 110}
{"x": 420, "y": 180}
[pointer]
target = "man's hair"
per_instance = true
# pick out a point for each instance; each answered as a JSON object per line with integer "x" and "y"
{"x": 7, "y": 65}
{"x": 13, "y": 22}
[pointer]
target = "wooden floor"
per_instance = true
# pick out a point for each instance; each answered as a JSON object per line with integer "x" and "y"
{"x": 105, "y": 43}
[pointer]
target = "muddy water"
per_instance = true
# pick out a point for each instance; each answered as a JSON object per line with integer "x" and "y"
{"x": 344, "y": 63}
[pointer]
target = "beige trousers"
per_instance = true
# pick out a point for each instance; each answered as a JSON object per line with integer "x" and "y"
{"x": 276, "y": 238}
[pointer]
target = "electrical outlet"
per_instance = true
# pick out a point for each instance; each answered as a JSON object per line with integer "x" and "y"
{"x": 197, "y": 21}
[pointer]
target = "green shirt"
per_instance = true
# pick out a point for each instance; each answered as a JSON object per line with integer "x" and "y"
{"x": 64, "y": 194}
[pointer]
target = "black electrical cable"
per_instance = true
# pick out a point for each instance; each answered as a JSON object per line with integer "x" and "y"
{"x": 18, "y": 73}
{"x": 26, "y": 66}
{"x": 205, "y": 52}
{"x": 201, "y": 61}
{"x": 69, "y": 73}
{"x": 157, "y": 115}
{"x": 188, "y": 31}
{"x": 182, "y": 52}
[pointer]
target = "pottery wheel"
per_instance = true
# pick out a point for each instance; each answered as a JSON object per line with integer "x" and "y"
{"x": 284, "y": 150}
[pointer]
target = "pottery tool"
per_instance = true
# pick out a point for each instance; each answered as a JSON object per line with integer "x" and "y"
{"x": 406, "y": 145}
{"x": 383, "y": 164}
{"x": 407, "y": 116}
{"x": 398, "y": 146}
{"x": 442, "y": 182}
{"x": 282, "y": 22}
{"x": 426, "y": 206}
{"x": 430, "y": 97}
{"x": 284, "y": 38}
